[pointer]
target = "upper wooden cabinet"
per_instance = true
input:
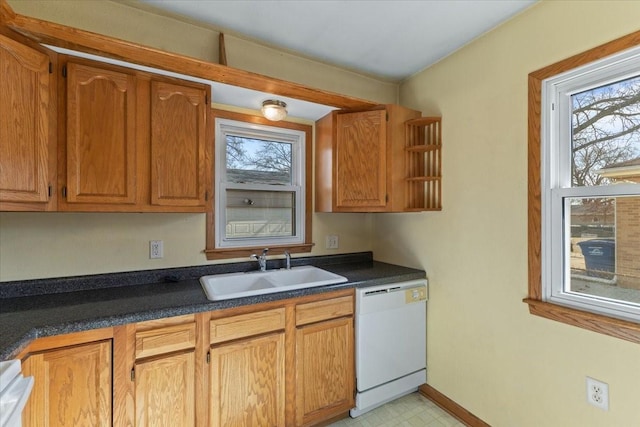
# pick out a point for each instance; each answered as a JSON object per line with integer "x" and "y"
{"x": 370, "y": 161}
{"x": 361, "y": 160}
{"x": 178, "y": 145}
{"x": 27, "y": 128}
{"x": 135, "y": 142}
{"x": 101, "y": 136}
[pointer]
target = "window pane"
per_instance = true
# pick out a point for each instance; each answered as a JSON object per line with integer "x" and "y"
{"x": 605, "y": 145}
{"x": 605, "y": 247}
{"x": 258, "y": 161}
{"x": 260, "y": 214}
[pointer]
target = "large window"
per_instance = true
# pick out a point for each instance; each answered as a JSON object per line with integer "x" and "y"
{"x": 584, "y": 221}
{"x": 260, "y": 184}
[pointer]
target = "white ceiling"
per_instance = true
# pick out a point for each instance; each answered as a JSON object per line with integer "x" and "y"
{"x": 385, "y": 38}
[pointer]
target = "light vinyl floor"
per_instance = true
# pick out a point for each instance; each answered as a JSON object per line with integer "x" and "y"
{"x": 412, "y": 410}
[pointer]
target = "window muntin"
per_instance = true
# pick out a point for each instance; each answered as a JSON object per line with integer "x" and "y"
{"x": 260, "y": 185}
{"x": 590, "y": 172}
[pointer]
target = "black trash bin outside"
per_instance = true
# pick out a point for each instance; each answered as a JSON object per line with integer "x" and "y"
{"x": 599, "y": 257}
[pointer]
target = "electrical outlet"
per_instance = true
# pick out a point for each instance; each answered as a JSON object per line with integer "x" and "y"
{"x": 156, "y": 249}
{"x": 598, "y": 393}
{"x": 331, "y": 242}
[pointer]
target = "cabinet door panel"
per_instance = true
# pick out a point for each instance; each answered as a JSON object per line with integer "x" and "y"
{"x": 165, "y": 391}
{"x": 24, "y": 129}
{"x": 178, "y": 138}
{"x": 324, "y": 370}
{"x": 101, "y": 144}
{"x": 247, "y": 383}
{"x": 360, "y": 163}
{"x": 72, "y": 386}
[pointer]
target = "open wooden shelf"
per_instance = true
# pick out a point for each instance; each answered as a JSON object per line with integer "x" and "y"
{"x": 423, "y": 148}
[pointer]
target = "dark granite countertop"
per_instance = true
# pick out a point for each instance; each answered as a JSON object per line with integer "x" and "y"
{"x": 39, "y": 308}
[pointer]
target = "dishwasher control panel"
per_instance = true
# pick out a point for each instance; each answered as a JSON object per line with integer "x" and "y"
{"x": 415, "y": 294}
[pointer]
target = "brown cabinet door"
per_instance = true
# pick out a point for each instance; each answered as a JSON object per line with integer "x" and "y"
{"x": 324, "y": 370}
{"x": 101, "y": 136}
{"x": 247, "y": 383}
{"x": 361, "y": 160}
{"x": 24, "y": 124}
{"x": 72, "y": 386}
{"x": 165, "y": 391}
{"x": 178, "y": 139}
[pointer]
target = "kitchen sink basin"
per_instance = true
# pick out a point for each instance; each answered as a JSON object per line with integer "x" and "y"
{"x": 236, "y": 285}
{"x": 307, "y": 276}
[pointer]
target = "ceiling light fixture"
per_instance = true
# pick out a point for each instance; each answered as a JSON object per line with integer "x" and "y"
{"x": 274, "y": 110}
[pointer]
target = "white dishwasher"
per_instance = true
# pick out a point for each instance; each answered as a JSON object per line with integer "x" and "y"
{"x": 391, "y": 342}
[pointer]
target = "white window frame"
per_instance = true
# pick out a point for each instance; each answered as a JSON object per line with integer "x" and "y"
{"x": 556, "y": 180}
{"x": 224, "y": 127}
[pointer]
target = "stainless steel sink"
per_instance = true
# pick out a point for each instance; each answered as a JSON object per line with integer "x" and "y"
{"x": 236, "y": 285}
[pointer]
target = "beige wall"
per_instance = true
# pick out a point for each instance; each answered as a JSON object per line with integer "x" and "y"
{"x": 42, "y": 245}
{"x": 485, "y": 351}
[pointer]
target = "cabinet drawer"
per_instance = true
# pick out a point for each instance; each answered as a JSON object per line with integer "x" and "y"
{"x": 246, "y": 325}
{"x": 323, "y": 310}
{"x": 165, "y": 340}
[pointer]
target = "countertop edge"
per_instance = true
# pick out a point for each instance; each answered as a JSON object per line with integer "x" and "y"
{"x": 379, "y": 274}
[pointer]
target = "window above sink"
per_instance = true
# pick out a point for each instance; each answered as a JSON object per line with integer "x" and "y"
{"x": 262, "y": 187}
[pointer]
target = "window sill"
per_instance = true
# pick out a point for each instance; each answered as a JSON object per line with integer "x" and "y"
{"x": 617, "y": 328}
{"x": 213, "y": 254}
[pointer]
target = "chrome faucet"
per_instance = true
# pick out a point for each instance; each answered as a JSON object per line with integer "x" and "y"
{"x": 287, "y": 257}
{"x": 262, "y": 259}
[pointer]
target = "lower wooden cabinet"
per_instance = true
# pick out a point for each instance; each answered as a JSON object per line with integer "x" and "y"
{"x": 325, "y": 370}
{"x": 324, "y": 367}
{"x": 164, "y": 372}
{"x": 165, "y": 390}
{"x": 72, "y": 386}
{"x": 280, "y": 363}
{"x": 247, "y": 384}
{"x": 247, "y": 368}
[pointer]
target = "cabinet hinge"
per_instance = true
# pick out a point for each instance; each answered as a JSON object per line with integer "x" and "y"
{"x": 208, "y": 357}
{"x": 387, "y": 115}
{"x": 206, "y": 99}
{"x": 64, "y": 71}
{"x": 64, "y": 191}
{"x": 386, "y": 198}
{"x": 50, "y": 191}
{"x": 133, "y": 374}
{"x": 50, "y": 68}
